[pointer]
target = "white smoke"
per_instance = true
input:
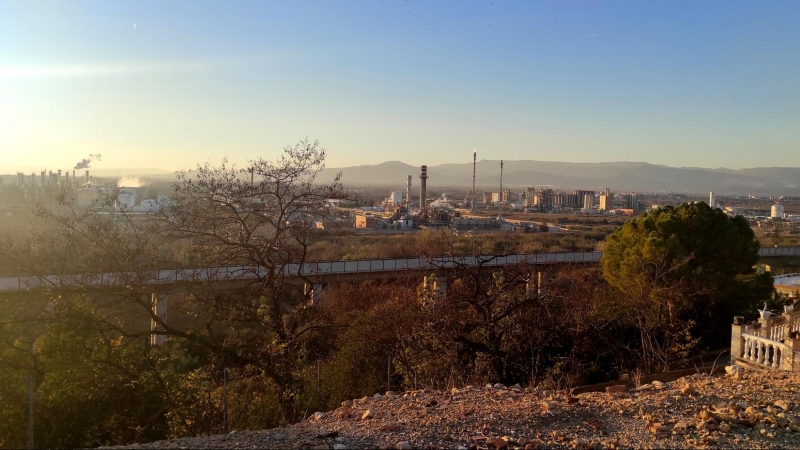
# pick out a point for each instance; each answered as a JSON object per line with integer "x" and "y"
{"x": 130, "y": 182}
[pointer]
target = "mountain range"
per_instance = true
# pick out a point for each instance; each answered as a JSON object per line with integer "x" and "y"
{"x": 617, "y": 176}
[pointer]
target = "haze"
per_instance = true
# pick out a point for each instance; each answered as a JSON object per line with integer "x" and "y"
{"x": 170, "y": 84}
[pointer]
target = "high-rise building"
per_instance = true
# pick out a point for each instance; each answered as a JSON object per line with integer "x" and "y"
{"x": 712, "y": 200}
{"x": 606, "y": 200}
{"x": 544, "y": 199}
{"x": 588, "y": 201}
{"x": 631, "y": 201}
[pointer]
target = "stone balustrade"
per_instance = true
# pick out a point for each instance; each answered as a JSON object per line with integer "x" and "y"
{"x": 768, "y": 343}
{"x": 767, "y": 353}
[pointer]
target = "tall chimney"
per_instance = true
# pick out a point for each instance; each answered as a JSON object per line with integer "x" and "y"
{"x": 408, "y": 196}
{"x": 423, "y": 177}
{"x": 501, "y": 181}
{"x": 87, "y": 178}
{"x": 474, "y": 162}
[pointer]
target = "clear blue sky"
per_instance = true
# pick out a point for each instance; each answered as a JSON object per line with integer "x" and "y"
{"x": 679, "y": 83}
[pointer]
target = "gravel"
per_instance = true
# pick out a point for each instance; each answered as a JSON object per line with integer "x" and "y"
{"x": 751, "y": 409}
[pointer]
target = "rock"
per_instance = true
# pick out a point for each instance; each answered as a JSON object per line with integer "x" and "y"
{"x": 377, "y": 395}
{"x": 680, "y": 426}
{"x": 581, "y": 444}
{"x": 316, "y": 417}
{"x": 737, "y": 372}
{"x": 516, "y": 386}
{"x": 782, "y": 404}
{"x": 658, "y": 384}
{"x": 724, "y": 427}
{"x": 279, "y": 436}
{"x": 535, "y": 444}
{"x": 685, "y": 386}
{"x": 368, "y": 414}
{"x": 403, "y": 445}
{"x": 722, "y": 440}
{"x": 497, "y": 443}
{"x": 645, "y": 387}
{"x": 347, "y": 403}
{"x": 389, "y": 426}
{"x": 339, "y": 447}
{"x": 617, "y": 388}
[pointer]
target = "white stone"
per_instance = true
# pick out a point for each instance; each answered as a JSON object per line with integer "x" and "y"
{"x": 403, "y": 445}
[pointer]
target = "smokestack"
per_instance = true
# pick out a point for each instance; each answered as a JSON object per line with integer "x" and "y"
{"x": 408, "y": 196}
{"x": 474, "y": 162}
{"x": 59, "y": 177}
{"x": 87, "y": 178}
{"x": 501, "y": 181}
{"x": 423, "y": 177}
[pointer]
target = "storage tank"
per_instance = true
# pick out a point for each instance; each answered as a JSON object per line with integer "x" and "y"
{"x": 777, "y": 211}
{"x": 496, "y": 198}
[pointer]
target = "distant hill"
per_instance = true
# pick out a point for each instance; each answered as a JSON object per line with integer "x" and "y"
{"x": 617, "y": 176}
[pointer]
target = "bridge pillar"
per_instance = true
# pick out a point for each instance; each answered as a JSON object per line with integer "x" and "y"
{"x": 536, "y": 283}
{"x": 440, "y": 286}
{"x": 313, "y": 292}
{"x": 159, "y": 304}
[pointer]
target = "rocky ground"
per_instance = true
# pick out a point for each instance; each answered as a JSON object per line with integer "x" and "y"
{"x": 741, "y": 409}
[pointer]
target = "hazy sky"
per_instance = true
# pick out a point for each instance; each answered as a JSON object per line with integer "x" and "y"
{"x": 170, "y": 84}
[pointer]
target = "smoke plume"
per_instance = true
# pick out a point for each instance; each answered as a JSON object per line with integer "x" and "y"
{"x": 85, "y": 163}
{"x": 130, "y": 182}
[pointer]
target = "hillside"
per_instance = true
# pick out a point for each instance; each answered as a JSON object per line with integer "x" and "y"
{"x": 617, "y": 176}
{"x": 742, "y": 409}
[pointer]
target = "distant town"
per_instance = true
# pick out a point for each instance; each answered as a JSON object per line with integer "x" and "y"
{"x": 411, "y": 206}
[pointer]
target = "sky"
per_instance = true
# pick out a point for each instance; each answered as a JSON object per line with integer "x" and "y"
{"x": 154, "y": 84}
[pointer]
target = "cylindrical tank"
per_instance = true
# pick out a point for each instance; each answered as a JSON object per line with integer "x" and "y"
{"x": 776, "y": 211}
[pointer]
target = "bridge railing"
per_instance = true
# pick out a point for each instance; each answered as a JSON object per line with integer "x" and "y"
{"x": 320, "y": 268}
{"x": 779, "y": 251}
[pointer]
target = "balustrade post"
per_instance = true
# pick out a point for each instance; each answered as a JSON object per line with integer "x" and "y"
{"x": 737, "y": 340}
{"x": 775, "y": 356}
{"x": 766, "y": 325}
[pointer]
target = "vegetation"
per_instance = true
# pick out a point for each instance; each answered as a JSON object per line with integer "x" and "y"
{"x": 253, "y": 353}
{"x": 678, "y": 271}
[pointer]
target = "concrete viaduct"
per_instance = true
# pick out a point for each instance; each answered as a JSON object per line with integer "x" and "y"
{"x": 321, "y": 273}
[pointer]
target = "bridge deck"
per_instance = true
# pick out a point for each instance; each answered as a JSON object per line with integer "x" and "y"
{"x": 315, "y": 269}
